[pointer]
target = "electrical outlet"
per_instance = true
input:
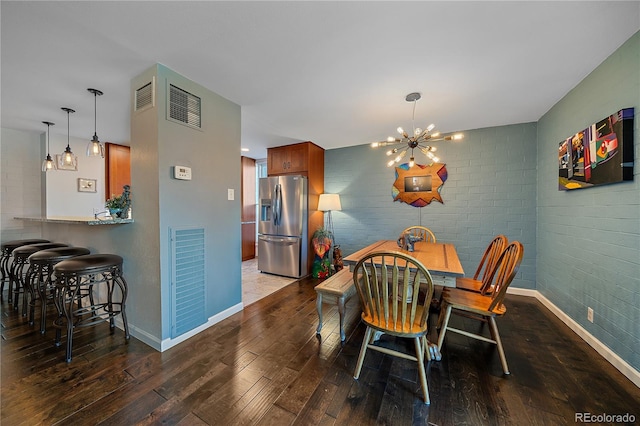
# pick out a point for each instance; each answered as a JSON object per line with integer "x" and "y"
{"x": 230, "y": 194}
{"x": 590, "y": 314}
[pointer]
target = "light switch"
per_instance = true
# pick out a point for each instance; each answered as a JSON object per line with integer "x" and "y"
{"x": 230, "y": 194}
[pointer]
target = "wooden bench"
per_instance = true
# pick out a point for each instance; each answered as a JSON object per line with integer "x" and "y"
{"x": 338, "y": 289}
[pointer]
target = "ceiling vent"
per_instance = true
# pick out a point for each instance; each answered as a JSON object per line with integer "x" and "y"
{"x": 184, "y": 107}
{"x": 145, "y": 96}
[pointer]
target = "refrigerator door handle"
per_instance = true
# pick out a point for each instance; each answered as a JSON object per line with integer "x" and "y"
{"x": 274, "y": 210}
{"x": 277, "y": 210}
{"x": 285, "y": 241}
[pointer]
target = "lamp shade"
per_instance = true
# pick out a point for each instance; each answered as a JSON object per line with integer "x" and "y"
{"x": 329, "y": 202}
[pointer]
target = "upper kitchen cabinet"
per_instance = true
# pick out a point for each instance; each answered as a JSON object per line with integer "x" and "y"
{"x": 300, "y": 159}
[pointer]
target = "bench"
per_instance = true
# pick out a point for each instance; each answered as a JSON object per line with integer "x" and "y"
{"x": 338, "y": 289}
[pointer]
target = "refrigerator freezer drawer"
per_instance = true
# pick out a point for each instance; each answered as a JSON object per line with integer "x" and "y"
{"x": 280, "y": 255}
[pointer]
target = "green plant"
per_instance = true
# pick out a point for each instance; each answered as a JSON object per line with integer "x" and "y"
{"x": 321, "y": 233}
{"x": 116, "y": 202}
{"x": 120, "y": 204}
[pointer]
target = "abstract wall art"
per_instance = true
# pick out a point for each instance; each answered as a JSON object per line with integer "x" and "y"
{"x": 598, "y": 155}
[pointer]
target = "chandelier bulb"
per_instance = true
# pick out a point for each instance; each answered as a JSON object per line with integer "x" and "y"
{"x": 391, "y": 139}
{"x": 375, "y": 144}
{"x": 458, "y": 136}
{"x": 390, "y": 163}
{"x": 412, "y": 162}
{"x": 436, "y": 159}
{"x": 400, "y": 130}
{"x": 431, "y": 127}
{"x": 417, "y": 131}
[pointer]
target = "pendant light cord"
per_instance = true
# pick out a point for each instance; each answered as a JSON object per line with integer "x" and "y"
{"x": 413, "y": 117}
{"x": 68, "y": 111}
{"x": 95, "y": 113}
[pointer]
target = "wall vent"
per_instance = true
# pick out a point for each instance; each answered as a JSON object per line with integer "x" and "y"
{"x": 184, "y": 107}
{"x": 188, "y": 280}
{"x": 145, "y": 96}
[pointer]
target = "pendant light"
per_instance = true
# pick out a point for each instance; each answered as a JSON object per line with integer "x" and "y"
{"x": 68, "y": 156}
{"x": 94, "y": 147}
{"x": 418, "y": 139}
{"x": 48, "y": 164}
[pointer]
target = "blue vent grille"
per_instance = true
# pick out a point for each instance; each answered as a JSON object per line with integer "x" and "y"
{"x": 188, "y": 280}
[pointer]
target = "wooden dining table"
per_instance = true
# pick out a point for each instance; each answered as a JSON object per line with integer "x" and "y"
{"x": 441, "y": 259}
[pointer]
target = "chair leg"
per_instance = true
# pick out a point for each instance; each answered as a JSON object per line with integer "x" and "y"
{"x": 443, "y": 327}
{"x": 363, "y": 351}
{"x": 423, "y": 375}
{"x": 425, "y": 346}
{"x": 496, "y": 337}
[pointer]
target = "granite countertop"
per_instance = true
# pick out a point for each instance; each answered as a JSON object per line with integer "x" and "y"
{"x": 77, "y": 220}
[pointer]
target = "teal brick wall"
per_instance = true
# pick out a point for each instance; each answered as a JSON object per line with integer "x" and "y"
{"x": 589, "y": 239}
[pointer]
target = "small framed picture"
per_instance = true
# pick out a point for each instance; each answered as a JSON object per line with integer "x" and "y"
{"x": 87, "y": 185}
{"x": 62, "y": 166}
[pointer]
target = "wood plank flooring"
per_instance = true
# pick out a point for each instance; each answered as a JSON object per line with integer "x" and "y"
{"x": 265, "y": 366}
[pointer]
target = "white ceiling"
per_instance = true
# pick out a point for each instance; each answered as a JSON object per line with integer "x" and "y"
{"x": 335, "y": 73}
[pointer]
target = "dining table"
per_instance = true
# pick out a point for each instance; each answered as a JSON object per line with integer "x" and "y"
{"x": 441, "y": 259}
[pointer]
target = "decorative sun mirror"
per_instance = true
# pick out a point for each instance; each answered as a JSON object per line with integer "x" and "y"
{"x": 419, "y": 185}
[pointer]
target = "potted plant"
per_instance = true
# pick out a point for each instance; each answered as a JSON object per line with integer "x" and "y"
{"x": 321, "y": 241}
{"x": 119, "y": 205}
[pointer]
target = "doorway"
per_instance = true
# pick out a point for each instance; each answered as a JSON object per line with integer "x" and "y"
{"x": 255, "y": 284}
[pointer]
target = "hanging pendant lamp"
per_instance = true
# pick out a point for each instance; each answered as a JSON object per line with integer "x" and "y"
{"x": 68, "y": 157}
{"x": 418, "y": 139}
{"x": 95, "y": 147}
{"x": 48, "y": 164}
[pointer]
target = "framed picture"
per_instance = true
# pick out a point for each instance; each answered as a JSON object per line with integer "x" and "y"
{"x": 62, "y": 166}
{"x": 87, "y": 185}
{"x": 598, "y": 155}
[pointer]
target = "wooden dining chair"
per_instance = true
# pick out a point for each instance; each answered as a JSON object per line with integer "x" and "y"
{"x": 483, "y": 307}
{"x": 388, "y": 284}
{"x": 481, "y": 282}
{"x": 423, "y": 232}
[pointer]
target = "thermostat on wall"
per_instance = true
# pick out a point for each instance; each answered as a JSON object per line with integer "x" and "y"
{"x": 182, "y": 172}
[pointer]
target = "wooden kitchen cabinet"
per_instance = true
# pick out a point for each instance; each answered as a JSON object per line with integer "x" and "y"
{"x": 248, "y": 203}
{"x": 292, "y": 159}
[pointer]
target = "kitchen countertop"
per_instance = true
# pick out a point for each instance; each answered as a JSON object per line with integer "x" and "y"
{"x": 76, "y": 220}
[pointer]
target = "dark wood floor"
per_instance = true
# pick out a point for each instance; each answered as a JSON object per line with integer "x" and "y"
{"x": 265, "y": 365}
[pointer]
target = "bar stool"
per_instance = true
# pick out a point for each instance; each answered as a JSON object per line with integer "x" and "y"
{"x": 76, "y": 280}
{"x": 8, "y": 248}
{"x": 39, "y": 279}
{"x": 18, "y": 272}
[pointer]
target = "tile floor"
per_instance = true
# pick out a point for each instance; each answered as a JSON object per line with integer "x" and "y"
{"x": 256, "y": 285}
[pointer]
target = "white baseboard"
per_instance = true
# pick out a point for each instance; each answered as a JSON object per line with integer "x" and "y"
{"x": 139, "y": 334}
{"x": 622, "y": 366}
{"x": 169, "y": 343}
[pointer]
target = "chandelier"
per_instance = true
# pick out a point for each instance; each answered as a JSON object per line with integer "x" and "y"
{"x": 420, "y": 139}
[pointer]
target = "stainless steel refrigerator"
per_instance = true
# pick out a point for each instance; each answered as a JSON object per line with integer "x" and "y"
{"x": 282, "y": 226}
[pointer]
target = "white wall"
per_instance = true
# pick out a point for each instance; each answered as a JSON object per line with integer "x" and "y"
{"x": 62, "y": 195}
{"x": 20, "y": 183}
